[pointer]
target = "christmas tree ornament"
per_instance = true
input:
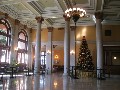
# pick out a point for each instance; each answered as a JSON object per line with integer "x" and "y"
{"x": 85, "y": 58}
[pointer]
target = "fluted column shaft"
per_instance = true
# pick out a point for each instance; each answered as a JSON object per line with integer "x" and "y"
{"x": 99, "y": 42}
{"x": 72, "y": 46}
{"x": 49, "y": 51}
{"x": 67, "y": 46}
{"x": 29, "y": 49}
{"x": 38, "y": 46}
{"x": 12, "y": 45}
{"x": 14, "y": 41}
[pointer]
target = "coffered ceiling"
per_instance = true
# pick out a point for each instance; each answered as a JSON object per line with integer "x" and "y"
{"x": 52, "y": 11}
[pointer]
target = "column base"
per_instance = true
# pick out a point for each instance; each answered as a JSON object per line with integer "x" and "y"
{"x": 48, "y": 73}
{"x": 36, "y": 73}
{"x": 65, "y": 74}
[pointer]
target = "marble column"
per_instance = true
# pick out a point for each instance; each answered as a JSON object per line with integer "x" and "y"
{"x": 36, "y": 85}
{"x": 72, "y": 46}
{"x": 67, "y": 46}
{"x": 14, "y": 41}
{"x": 99, "y": 42}
{"x": 38, "y": 46}
{"x": 49, "y": 51}
{"x": 66, "y": 81}
{"x": 29, "y": 49}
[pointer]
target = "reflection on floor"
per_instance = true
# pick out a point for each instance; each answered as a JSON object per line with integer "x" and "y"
{"x": 56, "y": 81}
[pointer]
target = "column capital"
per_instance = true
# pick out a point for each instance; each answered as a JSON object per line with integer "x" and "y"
{"x": 6, "y": 16}
{"x": 50, "y": 29}
{"x": 39, "y": 19}
{"x": 73, "y": 28}
{"x": 66, "y": 18}
{"x": 99, "y": 15}
{"x": 17, "y": 22}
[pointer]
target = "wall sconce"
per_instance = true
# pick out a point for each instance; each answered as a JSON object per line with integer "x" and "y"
{"x": 115, "y": 57}
{"x": 34, "y": 56}
{"x": 55, "y": 84}
{"x": 72, "y": 52}
{"x": 48, "y": 52}
{"x": 56, "y": 57}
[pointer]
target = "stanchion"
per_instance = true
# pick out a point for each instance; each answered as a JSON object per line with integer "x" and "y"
{"x": 28, "y": 72}
{"x": 75, "y": 76}
{"x": 101, "y": 74}
{"x": 74, "y": 73}
{"x": 1, "y": 78}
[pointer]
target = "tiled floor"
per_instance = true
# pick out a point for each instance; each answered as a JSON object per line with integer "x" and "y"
{"x": 57, "y": 82}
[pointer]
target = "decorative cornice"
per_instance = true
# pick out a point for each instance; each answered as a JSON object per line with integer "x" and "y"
{"x": 17, "y": 22}
{"x": 25, "y": 26}
{"x": 60, "y": 28}
{"x": 50, "y": 29}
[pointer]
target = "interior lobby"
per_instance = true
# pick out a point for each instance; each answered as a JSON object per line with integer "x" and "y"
{"x": 59, "y": 45}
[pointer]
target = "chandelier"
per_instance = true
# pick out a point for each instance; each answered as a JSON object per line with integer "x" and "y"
{"x": 75, "y": 13}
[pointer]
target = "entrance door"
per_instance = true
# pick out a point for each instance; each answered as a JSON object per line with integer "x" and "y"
{"x": 112, "y": 59}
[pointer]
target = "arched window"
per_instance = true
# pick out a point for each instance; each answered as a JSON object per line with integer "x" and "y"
{"x": 22, "y": 47}
{"x": 5, "y": 39}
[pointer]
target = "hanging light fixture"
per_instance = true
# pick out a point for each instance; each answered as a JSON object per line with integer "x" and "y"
{"x": 75, "y": 13}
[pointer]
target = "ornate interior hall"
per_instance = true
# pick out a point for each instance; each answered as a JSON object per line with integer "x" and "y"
{"x": 59, "y": 44}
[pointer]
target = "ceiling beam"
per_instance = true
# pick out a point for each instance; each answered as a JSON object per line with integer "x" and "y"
{"x": 67, "y": 3}
{"x": 9, "y": 2}
{"x": 59, "y": 5}
{"x": 30, "y": 8}
{"x": 99, "y": 5}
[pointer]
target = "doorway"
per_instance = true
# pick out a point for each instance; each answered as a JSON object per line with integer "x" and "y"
{"x": 112, "y": 59}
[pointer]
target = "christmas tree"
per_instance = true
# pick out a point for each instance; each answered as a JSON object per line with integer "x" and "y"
{"x": 85, "y": 58}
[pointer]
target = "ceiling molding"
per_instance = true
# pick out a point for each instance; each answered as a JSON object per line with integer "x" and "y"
{"x": 37, "y": 7}
{"x": 59, "y": 5}
{"x": 52, "y": 11}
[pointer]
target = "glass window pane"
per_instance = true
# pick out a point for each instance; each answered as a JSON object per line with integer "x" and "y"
{"x": 21, "y": 45}
{"x": 3, "y": 28}
{"x": 3, "y": 55}
{"x": 5, "y": 40}
{"x": 42, "y": 53}
{"x": 21, "y": 36}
